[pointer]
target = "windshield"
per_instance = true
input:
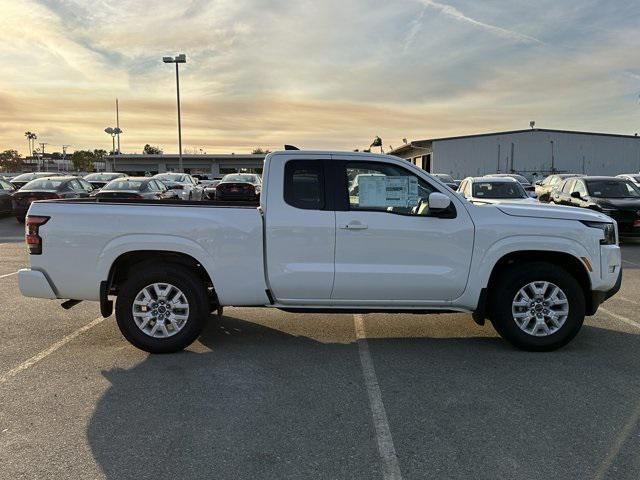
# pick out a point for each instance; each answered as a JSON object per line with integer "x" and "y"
{"x": 5, "y": 185}
{"x": 102, "y": 177}
{"x": 445, "y": 178}
{"x": 612, "y": 189}
{"x": 43, "y": 184}
{"x": 171, "y": 177}
{"x": 124, "y": 185}
{"x": 239, "y": 178}
{"x": 498, "y": 190}
{"x": 521, "y": 179}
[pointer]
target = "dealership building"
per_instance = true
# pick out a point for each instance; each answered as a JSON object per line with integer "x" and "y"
{"x": 534, "y": 153}
{"x": 214, "y": 164}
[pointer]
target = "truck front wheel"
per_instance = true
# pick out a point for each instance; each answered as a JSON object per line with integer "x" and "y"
{"x": 162, "y": 309}
{"x": 537, "y": 306}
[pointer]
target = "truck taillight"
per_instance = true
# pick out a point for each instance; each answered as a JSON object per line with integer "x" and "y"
{"x": 31, "y": 233}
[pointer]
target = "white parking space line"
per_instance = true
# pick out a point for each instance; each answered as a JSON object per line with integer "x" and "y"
{"x": 45, "y": 353}
{"x": 621, "y": 318}
{"x": 11, "y": 239}
{"x": 8, "y": 275}
{"x": 631, "y": 263}
{"x": 625, "y": 299}
{"x": 386, "y": 449}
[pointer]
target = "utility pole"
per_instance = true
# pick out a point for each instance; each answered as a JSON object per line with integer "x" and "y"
{"x": 118, "y": 124}
{"x": 45, "y": 167}
{"x": 182, "y": 58}
{"x": 64, "y": 156}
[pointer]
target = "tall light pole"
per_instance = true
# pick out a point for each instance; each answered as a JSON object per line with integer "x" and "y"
{"x": 182, "y": 58}
{"x": 114, "y": 132}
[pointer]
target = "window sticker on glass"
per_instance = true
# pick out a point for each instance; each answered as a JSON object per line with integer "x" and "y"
{"x": 383, "y": 191}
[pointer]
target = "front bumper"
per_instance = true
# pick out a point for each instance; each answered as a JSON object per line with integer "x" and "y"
{"x": 33, "y": 283}
{"x": 598, "y": 297}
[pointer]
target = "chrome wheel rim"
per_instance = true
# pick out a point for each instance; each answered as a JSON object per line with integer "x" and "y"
{"x": 540, "y": 308}
{"x": 160, "y": 310}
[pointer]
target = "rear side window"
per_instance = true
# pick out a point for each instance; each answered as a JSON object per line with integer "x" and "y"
{"x": 304, "y": 184}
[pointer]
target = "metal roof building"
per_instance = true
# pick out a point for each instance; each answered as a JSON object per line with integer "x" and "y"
{"x": 215, "y": 164}
{"x": 534, "y": 153}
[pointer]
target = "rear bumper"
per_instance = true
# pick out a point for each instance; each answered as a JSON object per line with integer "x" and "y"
{"x": 33, "y": 283}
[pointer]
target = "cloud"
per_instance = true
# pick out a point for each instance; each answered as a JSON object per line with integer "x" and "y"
{"x": 456, "y": 14}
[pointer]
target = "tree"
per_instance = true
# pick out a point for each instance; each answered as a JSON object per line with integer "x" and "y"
{"x": 10, "y": 161}
{"x": 151, "y": 150}
{"x": 83, "y": 160}
{"x": 259, "y": 151}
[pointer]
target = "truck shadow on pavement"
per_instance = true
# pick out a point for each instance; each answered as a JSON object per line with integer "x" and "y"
{"x": 266, "y": 404}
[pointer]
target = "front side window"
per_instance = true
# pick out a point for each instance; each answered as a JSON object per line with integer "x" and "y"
{"x": 580, "y": 188}
{"x": 613, "y": 189}
{"x": 304, "y": 184}
{"x": 386, "y": 187}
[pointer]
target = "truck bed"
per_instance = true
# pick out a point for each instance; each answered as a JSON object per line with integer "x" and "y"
{"x": 84, "y": 237}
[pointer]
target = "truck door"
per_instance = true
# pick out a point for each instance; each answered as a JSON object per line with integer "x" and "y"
{"x": 388, "y": 246}
{"x": 299, "y": 230}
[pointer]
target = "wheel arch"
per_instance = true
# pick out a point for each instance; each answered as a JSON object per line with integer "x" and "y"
{"x": 564, "y": 260}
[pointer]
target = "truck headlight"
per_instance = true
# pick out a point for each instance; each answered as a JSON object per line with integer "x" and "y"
{"x": 608, "y": 229}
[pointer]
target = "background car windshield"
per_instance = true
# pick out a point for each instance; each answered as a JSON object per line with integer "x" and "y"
{"x": 520, "y": 178}
{"x": 23, "y": 177}
{"x": 124, "y": 185}
{"x": 498, "y": 190}
{"x": 101, "y": 177}
{"x": 445, "y": 178}
{"x": 171, "y": 177}
{"x": 43, "y": 184}
{"x": 239, "y": 178}
{"x": 5, "y": 186}
{"x": 612, "y": 189}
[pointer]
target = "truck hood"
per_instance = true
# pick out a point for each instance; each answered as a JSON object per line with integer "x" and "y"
{"x": 553, "y": 211}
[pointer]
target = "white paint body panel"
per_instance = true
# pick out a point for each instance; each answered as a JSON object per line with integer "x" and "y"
{"x": 397, "y": 262}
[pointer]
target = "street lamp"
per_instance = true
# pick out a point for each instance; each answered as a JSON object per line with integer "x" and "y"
{"x": 182, "y": 58}
{"x": 114, "y": 132}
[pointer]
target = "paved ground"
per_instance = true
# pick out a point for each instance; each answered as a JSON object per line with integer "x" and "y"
{"x": 266, "y": 394}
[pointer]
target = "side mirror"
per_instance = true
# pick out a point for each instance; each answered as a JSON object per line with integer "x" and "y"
{"x": 575, "y": 195}
{"x": 438, "y": 202}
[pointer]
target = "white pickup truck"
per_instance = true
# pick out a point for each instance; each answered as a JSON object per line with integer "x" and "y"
{"x": 401, "y": 242}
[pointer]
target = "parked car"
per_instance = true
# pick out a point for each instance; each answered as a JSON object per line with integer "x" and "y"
{"x": 21, "y": 180}
{"x": 616, "y": 197}
{"x": 6, "y": 192}
{"x": 46, "y": 188}
{"x": 99, "y": 180}
{"x": 135, "y": 187}
{"x": 545, "y": 187}
{"x": 526, "y": 184}
{"x": 239, "y": 186}
{"x": 632, "y": 177}
{"x": 484, "y": 190}
{"x": 210, "y": 189}
{"x": 184, "y": 184}
{"x": 447, "y": 180}
{"x": 410, "y": 244}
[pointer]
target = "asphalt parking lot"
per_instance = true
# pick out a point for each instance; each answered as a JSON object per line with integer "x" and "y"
{"x": 272, "y": 395}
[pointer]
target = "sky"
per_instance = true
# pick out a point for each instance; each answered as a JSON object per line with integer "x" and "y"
{"x": 325, "y": 74}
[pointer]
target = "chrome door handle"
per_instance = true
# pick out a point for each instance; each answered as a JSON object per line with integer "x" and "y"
{"x": 354, "y": 226}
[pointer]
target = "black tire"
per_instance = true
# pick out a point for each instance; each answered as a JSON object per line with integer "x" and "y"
{"x": 182, "y": 278}
{"x": 21, "y": 219}
{"x": 503, "y": 293}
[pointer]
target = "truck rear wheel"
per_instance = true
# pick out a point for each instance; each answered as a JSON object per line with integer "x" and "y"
{"x": 537, "y": 306}
{"x": 162, "y": 309}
